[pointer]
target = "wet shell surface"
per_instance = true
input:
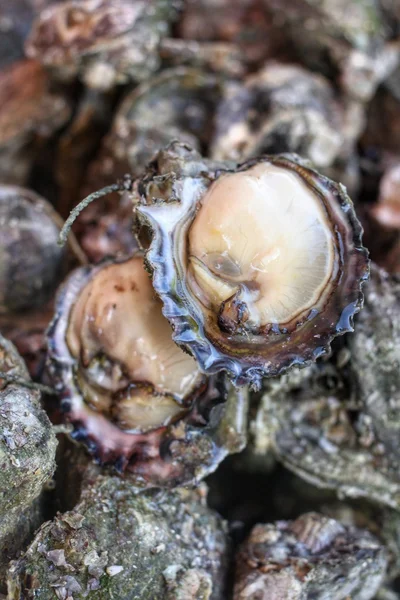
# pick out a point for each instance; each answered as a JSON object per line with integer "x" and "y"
{"x": 134, "y": 397}
{"x": 258, "y": 267}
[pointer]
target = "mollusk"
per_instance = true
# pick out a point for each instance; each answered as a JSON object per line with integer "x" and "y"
{"x": 259, "y": 266}
{"x": 134, "y": 397}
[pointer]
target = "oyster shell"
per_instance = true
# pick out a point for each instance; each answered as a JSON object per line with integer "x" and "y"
{"x": 129, "y": 544}
{"x": 336, "y": 425}
{"x": 282, "y": 108}
{"x": 258, "y": 267}
{"x": 304, "y": 558}
{"x": 134, "y": 397}
{"x": 175, "y": 104}
{"x": 104, "y": 43}
{"x": 27, "y": 457}
{"x": 31, "y": 262}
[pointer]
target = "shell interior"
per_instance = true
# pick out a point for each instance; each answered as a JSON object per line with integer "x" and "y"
{"x": 258, "y": 267}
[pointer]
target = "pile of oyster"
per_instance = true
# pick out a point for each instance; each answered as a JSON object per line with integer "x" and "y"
{"x": 199, "y": 357}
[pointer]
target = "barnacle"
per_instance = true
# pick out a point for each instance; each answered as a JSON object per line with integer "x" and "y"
{"x": 258, "y": 267}
{"x": 126, "y": 387}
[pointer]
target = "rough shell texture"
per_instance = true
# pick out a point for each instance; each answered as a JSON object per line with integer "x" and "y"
{"x": 27, "y": 444}
{"x": 105, "y": 43}
{"x": 291, "y": 560}
{"x": 31, "y": 261}
{"x": 27, "y": 452}
{"x": 27, "y": 458}
{"x": 118, "y": 543}
{"x": 16, "y": 532}
{"x": 169, "y": 198}
{"x": 375, "y": 360}
{"x": 336, "y": 425}
{"x": 183, "y": 451}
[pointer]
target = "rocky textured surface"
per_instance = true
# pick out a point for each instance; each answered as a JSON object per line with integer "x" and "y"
{"x": 27, "y": 456}
{"x": 312, "y": 557}
{"x": 120, "y": 542}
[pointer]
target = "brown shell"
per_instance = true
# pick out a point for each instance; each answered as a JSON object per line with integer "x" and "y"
{"x": 246, "y": 360}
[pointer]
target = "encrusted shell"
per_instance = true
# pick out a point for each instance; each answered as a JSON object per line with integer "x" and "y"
{"x": 210, "y": 425}
{"x": 170, "y": 197}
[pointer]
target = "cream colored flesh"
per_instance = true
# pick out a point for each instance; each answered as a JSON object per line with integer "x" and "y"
{"x": 117, "y": 316}
{"x": 265, "y": 233}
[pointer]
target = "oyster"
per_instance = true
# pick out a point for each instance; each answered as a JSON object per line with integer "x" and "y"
{"x": 336, "y": 425}
{"x": 27, "y": 456}
{"x": 134, "y": 397}
{"x": 282, "y": 108}
{"x": 351, "y": 43}
{"x": 258, "y": 267}
{"x": 31, "y": 262}
{"x": 176, "y": 104}
{"x": 104, "y": 43}
{"x": 305, "y": 558}
{"x": 120, "y": 543}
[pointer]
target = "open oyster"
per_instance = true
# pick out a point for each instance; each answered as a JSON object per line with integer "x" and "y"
{"x": 258, "y": 267}
{"x": 134, "y": 397}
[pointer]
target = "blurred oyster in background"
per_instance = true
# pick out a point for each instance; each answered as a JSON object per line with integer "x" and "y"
{"x": 32, "y": 263}
{"x": 352, "y": 42}
{"x": 282, "y": 108}
{"x": 105, "y": 43}
{"x": 30, "y": 113}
